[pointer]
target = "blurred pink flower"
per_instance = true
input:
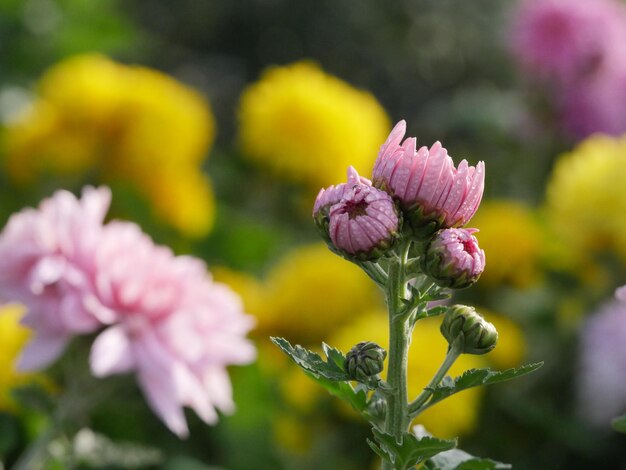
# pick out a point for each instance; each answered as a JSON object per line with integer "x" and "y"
{"x": 620, "y": 293}
{"x": 46, "y": 264}
{"x": 564, "y": 40}
{"x": 601, "y": 380}
{"x": 174, "y": 326}
{"x": 425, "y": 181}
{"x": 364, "y": 221}
{"x": 168, "y": 320}
{"x": 453, "y": 258}
{"x": 596, "y": 105}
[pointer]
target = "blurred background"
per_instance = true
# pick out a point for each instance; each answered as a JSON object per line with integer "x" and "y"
{"x": 216, "y": 123}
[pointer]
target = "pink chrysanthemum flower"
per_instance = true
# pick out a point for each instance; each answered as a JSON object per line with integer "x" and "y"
{"x": 453, "y": 258}
{"x": 175, "y": 327}
{"x": 46, "y": 264}
{"x": 358, "y": 219}
{"x": 601, "y": 380}
{"x": 564, "y": 40}
{"x": 432, "y": 192}
{"x": 168, "y": 320}
{"x": 620, "y": 293}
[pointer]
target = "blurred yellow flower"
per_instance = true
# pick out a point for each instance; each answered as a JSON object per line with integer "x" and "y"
{"x": 292, "y": 433}
{"x": 512, "y": 240}
{"x": 306, "y": 295}
{"x": 309, "y": 126}
{"x": 13, "y": 337}
{"x": 455, "y": 415}
{"x": 96, "y": 118}
{"x": 586, "y": 201}
{"x": 311, "y": 292}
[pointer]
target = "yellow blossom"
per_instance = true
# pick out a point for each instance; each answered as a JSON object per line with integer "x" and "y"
{"x": 308, "y": 126}
{"x": 13, "y": 337}
{"x": 97, "y": 119}
{"x": 311, "y": 292}
{"x": 512, "y": 240}
{"x": 586, "y": 201}
{"x": 453, "y": 416}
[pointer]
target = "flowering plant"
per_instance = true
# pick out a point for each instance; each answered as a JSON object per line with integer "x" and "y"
{"x": 404, "y": 228}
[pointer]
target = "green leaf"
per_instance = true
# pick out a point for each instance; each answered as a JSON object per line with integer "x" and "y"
{"x": 457, "y": 459}
{"x": 312, "y": 363}
{"x": 381, "y": 453}
{"x": 476, "y": 377}
{"x": 433, "y": 296}
{"x": 329, "y": 374}
{"x": 433, "y": 312}
{"x": 619, "y": 424}
{"x": 355, "y": 398}
{"x": 482, "y": 464}
{"x": 410, "y": 451}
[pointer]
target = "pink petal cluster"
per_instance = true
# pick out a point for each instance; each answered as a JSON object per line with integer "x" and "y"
{"x": 602, "y": 362}
{"x": 577, "y": 50}
{"x": 453, "y": 258}
{"x": 46, "y": 264}
{"x": 426, "y": 181}
{"x": 165, "y": 318}
{"x": 357, "y": 218}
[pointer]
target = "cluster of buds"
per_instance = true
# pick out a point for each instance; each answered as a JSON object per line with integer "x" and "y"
{"x": 416, "y": 193}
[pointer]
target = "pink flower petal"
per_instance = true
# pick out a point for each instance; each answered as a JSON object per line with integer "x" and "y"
{"x": 111, "y": 352}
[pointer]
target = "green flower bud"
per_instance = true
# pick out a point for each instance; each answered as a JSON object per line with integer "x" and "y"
{"x": 478, "y": 335}
{"x": 365, "y": 360}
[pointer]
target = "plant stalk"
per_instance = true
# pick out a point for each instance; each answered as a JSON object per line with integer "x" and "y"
{"x": 396, "y": 419}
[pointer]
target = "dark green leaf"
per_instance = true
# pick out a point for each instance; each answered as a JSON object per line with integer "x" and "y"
{"x": 410, "y": 451}
{"x": 436, "y": 296}
{"x": 456, "y": 459}
{"x": 329, "y": 374}
{"x": 356, "y": 398}
{"x": 381, "y": 453}
{"x": 433, "y": 312}
{"x": 312, "y": 362}
{"x": 619, "y": 424}
{"x": 334, "y": 355}
{"x": 476, "y": 377}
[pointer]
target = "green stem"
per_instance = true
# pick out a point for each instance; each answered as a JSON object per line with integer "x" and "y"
{"x": 396, "y": 419}
{"x": 454, "y": 352}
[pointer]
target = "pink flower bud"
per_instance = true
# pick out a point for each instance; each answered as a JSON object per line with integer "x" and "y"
{"x": 356, "y": 218}
{"x": 453, "y": 258}
{"x": 432, "y": 192}
{"x": 330, "y": 196}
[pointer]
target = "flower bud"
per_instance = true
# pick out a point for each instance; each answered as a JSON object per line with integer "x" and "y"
{"x": 328, "y": 197}
{"x": 357, "y": 220}
{"x": 365, "y": 360}
{"x": 432, "y": 193}
{"x": 478, "y": 335}
{"x": 453, "y": 258}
